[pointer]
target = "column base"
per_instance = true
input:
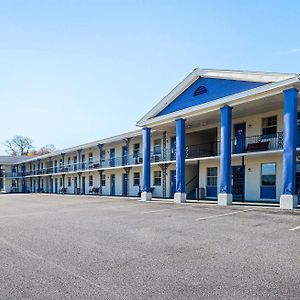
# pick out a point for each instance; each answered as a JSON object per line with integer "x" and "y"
{"x": 146, "y": 196}
{"x": 180, "y": 197}
{"x": 224, "y": 199}
{"x": 288, "y": 201}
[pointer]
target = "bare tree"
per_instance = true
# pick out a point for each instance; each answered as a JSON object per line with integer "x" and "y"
{"x": 19, "y": 145}
{"x": 44, "y": 150}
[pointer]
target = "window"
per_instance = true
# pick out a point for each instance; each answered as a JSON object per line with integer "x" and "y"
{"x": 157, "y": 146}
{"x": 268, "y": 174}
{"x": 69, "y": 181}
{"x": 103, "y": 180}
{"x": 269, "y": 125}
{"x": 136, "y": 150}
{"x": 136, "y": 178}
{"x": 90, "y": 180}
{"x": 212, "y": 176}
{"x": 69, "y": 161}
{"x": 157, "y": 178}
{"x": 60, "y": 181}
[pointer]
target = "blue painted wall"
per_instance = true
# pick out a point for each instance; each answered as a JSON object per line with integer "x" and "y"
{"x": 216, "y": 88}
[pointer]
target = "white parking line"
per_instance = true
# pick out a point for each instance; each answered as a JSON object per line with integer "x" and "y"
{"x": 159, "y": 210}
{"x": 224, "y": 215}
{"x": 295, "y": 228}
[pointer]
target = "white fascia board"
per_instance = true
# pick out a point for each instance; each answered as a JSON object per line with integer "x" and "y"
{"x": 209, "y": 73}
{"x": 245, "y": 75}
{"x": 232, "y": 100}
{"x": 177, "y": 90}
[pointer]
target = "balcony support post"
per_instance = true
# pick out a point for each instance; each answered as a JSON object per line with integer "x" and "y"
{"x": 288, "y": 199}
{"x": 50, "y": 185}
{"x": 63, "y": 162}
{"x": 225, "y": 195}
{"x": 164, "y": 168}
{"x": 100, "y": 146}
{"x": 180, "y": 194}
{"x": 63, "y": 183}
{"x": 39, "y": 184}
{"x": 100, "y": 181}
{"x": 78, "y": 158}
{"x": 125, "y": 159}
{"x": 146, "y": 194}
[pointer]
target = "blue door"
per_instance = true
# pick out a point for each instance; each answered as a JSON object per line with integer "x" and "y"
{"x": 173, "y": 183}
{"x": 112, "y": 157}
{"x": 173, "y": 147}
{"x": 56, "y": 186}
{"x": 298, "y": 129}
{"x": 125, "y": 185}
{"x": 298, "y": 181}
{"x": 112, "y": 184}
{"x": 239, "y": 138}
{"x": 238, "y": 183}
{"x": 83, "y": 185}
{"x": 124, "y": 155}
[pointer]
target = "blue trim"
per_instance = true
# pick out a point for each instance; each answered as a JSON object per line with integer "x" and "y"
{"x": 211, "y": 191}
{"x": 289, "y": 141}
{"x": 146, "y": 159}
{"x": 225, "y": 155}
{"x": 216, "y": 89}
{"x": 180, "y": 156}
{"x": 268, "y": 192}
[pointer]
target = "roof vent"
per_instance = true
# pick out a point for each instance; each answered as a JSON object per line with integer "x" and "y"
{"x": 200, "y": 90}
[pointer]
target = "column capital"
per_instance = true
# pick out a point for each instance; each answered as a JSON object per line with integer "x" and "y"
{"x": 226, "y": 107}
{"x": 291, "y": 89}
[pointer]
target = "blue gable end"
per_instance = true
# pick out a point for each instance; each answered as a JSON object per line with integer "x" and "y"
{"x": 204, "y": 90}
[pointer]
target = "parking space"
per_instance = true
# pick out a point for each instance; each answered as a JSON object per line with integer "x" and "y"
{"x": 76, "y": 247}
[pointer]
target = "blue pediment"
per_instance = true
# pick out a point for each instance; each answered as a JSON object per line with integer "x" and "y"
{"x": 204, "y": 90}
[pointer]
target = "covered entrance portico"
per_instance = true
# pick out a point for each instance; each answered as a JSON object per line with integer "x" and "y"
{"x": 258, "y": 120}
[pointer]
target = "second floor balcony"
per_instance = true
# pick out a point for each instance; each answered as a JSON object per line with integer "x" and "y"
{"x": 251, "y": 144}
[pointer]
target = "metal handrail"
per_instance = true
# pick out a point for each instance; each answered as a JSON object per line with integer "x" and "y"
{"x": 248, "y": 144}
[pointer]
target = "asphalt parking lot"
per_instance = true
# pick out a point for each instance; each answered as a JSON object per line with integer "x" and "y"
{"x": 75, "y": 247}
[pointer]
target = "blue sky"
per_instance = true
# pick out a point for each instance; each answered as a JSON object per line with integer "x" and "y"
{"x": 76, "y": 71}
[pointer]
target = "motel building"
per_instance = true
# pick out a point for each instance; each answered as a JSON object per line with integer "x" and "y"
{"x": 219, "y": 135}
